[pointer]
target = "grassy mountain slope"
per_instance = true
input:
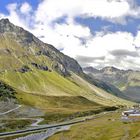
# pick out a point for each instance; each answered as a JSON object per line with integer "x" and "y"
{"x": 35, "y": 69}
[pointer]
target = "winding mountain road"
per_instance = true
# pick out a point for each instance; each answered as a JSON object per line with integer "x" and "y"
{"x": 37, "y": 122}
{"x": 9, "y": 111}
{"x": 51, "y": 129}
{"x": 38, "y": 129}
{"x": 45, "y": 134}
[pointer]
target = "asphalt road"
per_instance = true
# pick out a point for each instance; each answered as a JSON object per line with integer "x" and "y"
{"x": 37, "y": 129}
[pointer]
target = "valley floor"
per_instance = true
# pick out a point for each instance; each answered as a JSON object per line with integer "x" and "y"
{"x": 107, "y": 127}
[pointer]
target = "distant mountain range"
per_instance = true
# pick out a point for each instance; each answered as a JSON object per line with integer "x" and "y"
{"x": 128, "y": 81}
{"x": 38, "y": 71}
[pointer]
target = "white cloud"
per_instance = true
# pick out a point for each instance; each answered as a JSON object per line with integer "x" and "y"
{"x": 102, "y": 45}
{"x": 13, "y": 15}
{"x": 17, "y": 17}
{"x": 72, "y": 30}
{"x": 25, "y": 8}
{"x": 114, "y": 10}
{"x": 75, "y": 39}
{"x": 64, "y": 36}
{"x": 2, "y": 15}
{"x": 68, "y": 37}
{"x": 12, "y": 7}
{"x": 137, "y": 39}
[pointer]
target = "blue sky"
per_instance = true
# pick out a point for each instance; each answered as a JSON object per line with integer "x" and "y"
{"x": 4, "y": 3}
{"x": 95, "y": 24}
{"x": 98, "y": 24}
{"x": 83, "y": 29}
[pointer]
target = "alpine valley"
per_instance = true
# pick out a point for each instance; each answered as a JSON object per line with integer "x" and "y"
{"x": 38, "y": 81}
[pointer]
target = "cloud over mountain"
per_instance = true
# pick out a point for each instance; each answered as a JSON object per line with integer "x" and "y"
{"x": 54, "y": 22}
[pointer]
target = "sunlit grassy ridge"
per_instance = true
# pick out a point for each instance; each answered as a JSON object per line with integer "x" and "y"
{"x": 45, "y": 83}
{"x": 53, "y": 84}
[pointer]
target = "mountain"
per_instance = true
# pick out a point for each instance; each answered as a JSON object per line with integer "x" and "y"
{"x": 91, "y": 70}
{"x": 128, "y": 81}
{"x": 42, "y": 76}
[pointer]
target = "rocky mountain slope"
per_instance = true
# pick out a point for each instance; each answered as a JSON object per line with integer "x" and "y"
{"x": 35, "y": 69}
{"x": 128, "y": 81}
